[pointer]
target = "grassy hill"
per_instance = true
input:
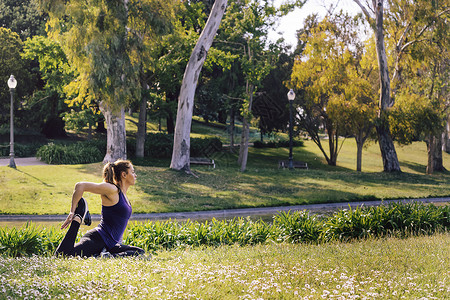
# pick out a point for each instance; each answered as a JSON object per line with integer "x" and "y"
{"x": 47, "y": 189}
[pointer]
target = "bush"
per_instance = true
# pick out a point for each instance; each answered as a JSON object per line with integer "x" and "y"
{"x": 299, "y": 227}
{"x": 393, "y": 219}
{"x": 77, "y": 153}
{"x": 160, "y": 145}
{"x": 21, "y": 150}
{"x": 278, "y": 144}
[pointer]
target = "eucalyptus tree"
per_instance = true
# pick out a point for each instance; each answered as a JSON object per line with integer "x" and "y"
{"x": 181, "y": 148}
{"x": 418, "y": 33}
{"x": 99, "y": 39}
{"x": 374, "y": 13}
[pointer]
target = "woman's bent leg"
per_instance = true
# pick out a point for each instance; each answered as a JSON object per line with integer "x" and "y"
{"x": 91, "y": 244}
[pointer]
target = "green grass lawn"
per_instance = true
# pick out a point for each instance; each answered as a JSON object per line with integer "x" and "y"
{"x": 413, "y": 268}
{"x": 47, "y": 189}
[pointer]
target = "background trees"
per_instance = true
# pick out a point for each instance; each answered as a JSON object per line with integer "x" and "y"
{"x": 325, "y": 74}
{"x": 132, "y": 54}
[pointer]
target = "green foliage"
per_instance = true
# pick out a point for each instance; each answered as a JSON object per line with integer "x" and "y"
{"x": 298, "y": 227}
{"x": 77, "y": 120}
{"x": 277, "y": 144}
{"x": 394, "y": 219}
{"x": 29, "y": 240}
{"x": 76, "y": 153}
{"x": 20, "y": 150}
{"x": 397, "y": 219}
{"x": 23, "y": 17}
{"x": 20, "y": 242}
{"x": 160, "y": 145}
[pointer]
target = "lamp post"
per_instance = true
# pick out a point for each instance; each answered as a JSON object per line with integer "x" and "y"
{"x": 12, "y": 83}
{"x": 291, "y": 97}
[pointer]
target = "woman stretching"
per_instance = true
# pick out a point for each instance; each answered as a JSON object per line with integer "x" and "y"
{"x": 116, "y": 211}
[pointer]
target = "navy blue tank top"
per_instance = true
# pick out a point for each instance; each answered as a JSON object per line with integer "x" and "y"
{"x": 113, "y": 221}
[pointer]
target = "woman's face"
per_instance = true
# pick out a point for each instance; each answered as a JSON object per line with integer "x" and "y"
{"x": 130, "y": 176}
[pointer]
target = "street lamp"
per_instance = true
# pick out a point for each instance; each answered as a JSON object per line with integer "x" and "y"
{"x": 291, "y": 97}
{"x": 12, "y": 83}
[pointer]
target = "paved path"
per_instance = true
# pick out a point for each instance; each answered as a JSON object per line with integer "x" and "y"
{"x": 22, "y": 161}
{"x": 230, "y": 213}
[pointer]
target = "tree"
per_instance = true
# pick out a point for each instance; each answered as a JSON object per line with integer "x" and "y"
{"x": 47, "y": 101}
{"x": 374, "y": 15}
{"x": 181, "y": 149}
{"x": 245, "y": 33}
{"x": 324, "y": 72}
{"x": 418, "y": 33}
{"x": 12, "y": 63}
{"x": 23, "y": 17}
{"x": 355, "y": 109}
{"x": 96, "y": 37}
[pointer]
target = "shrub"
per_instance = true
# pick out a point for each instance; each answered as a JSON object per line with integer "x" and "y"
{"x": 160, "y": 145}
{"x": 77, "y": 153}
{"x": 278, "y": 144}
{"x": 298, "y": 227}
{"x": 394, "y": 219}
{"x": 20, "y": 150}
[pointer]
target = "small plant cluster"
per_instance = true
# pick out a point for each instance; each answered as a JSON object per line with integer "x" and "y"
{"x": 395, "y": 219}
{"x": 29, "y": 240}
{"x": 277, "y": 144}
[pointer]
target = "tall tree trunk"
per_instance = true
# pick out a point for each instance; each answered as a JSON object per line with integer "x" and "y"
{"x": 446, "y": 136}
{"x": 116, "y": 145}
{"x": 243, "y": 149}
{"x": 142, "y": 124}
{"x": 170, "y": 123}
{"x": 182, "y": 142}
{"x": 434, "y": 150}
{"x": 359, "y": 149}
{"x": 387, "y": 148}
{"x": 388, "y": 153}
{"x": 232, "y": 130}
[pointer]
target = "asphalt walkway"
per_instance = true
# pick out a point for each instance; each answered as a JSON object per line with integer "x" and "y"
{"x": 231, "y": 213}
{"x": 22, "y": 161}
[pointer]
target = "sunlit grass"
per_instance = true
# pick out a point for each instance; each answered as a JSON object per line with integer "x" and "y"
{"x": 414, "y": 268}
{"x": 47, "y": 189}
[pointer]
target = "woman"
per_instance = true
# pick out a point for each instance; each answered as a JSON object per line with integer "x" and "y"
{"x": 116, "y": 211}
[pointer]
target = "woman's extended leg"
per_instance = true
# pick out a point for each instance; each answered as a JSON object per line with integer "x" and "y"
{"x": 120, "y": 250}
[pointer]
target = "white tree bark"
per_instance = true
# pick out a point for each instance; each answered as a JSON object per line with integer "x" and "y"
{"x": 387, "y": 148}
{"x": 116, "y": 145}
{"x": 182, "y": 143}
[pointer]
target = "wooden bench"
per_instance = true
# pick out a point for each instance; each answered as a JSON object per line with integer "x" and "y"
{"x": 202, "y": 161}
{"x": 297, "y": 164}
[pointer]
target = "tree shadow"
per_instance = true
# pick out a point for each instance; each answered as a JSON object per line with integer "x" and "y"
{"x": 35, "y": 178}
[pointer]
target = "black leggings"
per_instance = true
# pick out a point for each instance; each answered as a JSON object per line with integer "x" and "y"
{"x": 91, "y": 244}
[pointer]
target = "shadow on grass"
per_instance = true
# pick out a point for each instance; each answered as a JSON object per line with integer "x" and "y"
{"x": 35, "y": 178}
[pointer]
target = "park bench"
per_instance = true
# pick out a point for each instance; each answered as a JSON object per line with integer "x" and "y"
{"x": 297, "y": 164}
{"x": 202, "y": 161}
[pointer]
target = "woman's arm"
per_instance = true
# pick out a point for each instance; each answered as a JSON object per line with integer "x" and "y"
{"x": 81, "y": 187}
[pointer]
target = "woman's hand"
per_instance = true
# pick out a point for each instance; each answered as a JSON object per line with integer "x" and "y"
{"x": 68, "y": 220}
